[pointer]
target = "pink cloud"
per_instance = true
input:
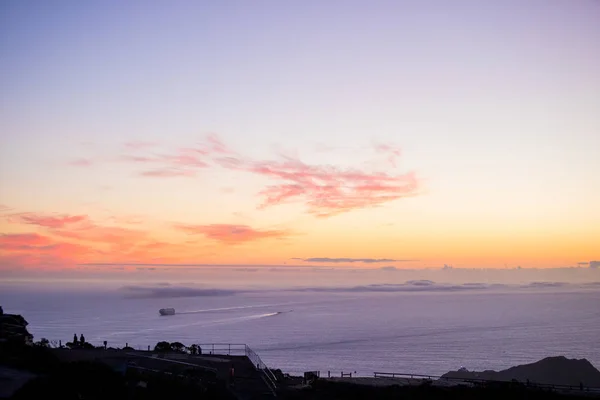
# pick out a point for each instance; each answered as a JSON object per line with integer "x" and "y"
{"x": 139, "y": 159}
{"x": 134, "y": 144}
{"x": 217, "y": 146}
{"x": 127, "y": 219}
{"x": 77, "y": 227}
{"x": 232, "y": 234}
{"x": 35, "y": 250}
{"x": 70, "y": 239}
{"x": 168, "y": 173}
{"x": 393, "y": 153}
{"x": 326, "y": 190}
{"x": 113, "y": 236}
{"x": 183, "y": 162}
{"x": 47, "y": 221}
{"x": 185, "y": 158}
{"x": 23, "y": 241}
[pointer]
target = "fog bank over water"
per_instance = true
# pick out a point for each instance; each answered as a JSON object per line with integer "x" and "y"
{"x": 228, "y": 280}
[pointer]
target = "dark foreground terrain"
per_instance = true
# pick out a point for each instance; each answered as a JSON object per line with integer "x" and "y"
{"x": 171, "y": 371}
{"x": 325, "y": 389}
{"x": 79, "y": 374}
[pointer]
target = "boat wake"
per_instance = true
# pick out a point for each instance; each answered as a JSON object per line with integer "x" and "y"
{"x": 257, "y": 316}
{"x": 214, "y": 310}
{"x": 230, "y": 320}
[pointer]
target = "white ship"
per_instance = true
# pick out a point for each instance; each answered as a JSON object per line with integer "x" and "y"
{"x": 166, "y": 311}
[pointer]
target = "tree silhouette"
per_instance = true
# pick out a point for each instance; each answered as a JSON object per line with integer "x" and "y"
{"x": 162, "y": 346}
{"x": 178, "y": 347}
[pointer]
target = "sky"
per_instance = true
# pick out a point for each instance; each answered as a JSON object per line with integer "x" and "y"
{"x": 352, "y": 134}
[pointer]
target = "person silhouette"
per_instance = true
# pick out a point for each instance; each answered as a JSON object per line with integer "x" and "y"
{"x": 75, "y": 339}
{"x": 82, "y": 339}
{"x": 232, "y": 375}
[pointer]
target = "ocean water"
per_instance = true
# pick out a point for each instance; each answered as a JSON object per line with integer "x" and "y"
{"x": 425, "y": 332}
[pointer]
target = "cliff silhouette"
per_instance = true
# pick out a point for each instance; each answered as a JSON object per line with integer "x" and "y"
{"x": 551, "y": 370}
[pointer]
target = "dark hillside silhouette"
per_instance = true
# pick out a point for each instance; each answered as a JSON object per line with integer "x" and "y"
{"x": 551, "y": 370}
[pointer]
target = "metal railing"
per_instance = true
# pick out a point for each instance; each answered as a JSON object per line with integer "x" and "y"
{"x": 269, "y": 377}
{"x": 233, "y": 349}
{"x": 228, "y": 349}
{"x": 404, "y": 375}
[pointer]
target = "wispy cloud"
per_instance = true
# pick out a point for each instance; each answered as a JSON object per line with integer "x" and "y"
{"x": 183, "y": 162}
{"x": 431, "y": 286}
{"x": 53, "y": 221}
{"x": 215, "y": 145}
{"x": 23, "y": 241}
{"x": 35, "y": 250}
{"x": 232, "y": 234}
{"x": 350, "y": 260}
{"x": 77, "y": 238}
{"x": 326, "y": 190}
{"x": 168, "y": 173}
{"x": 172, "y": 292}
{"x": 138, "y": 159}
{"x": 79, "y": 227}
{"x": 139, "y": 144}
{"x": 92, "y": 232}
{"x": 127, "y": 219}
{"x": 410, "y": 286}
{"x": 392, "y": 153}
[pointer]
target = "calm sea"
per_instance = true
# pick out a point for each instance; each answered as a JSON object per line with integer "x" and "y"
{"x": 417, "y": 332}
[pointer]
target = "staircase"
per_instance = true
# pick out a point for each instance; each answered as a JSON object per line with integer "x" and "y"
{"x": 253, "y": 379}
{"x": 250, "y": 383}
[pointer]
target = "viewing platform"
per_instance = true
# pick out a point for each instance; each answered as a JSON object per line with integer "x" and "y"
{"x": 252, "y": 378}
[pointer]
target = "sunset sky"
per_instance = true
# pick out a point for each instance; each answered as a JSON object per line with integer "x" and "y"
{"x": 360, "y": 134}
